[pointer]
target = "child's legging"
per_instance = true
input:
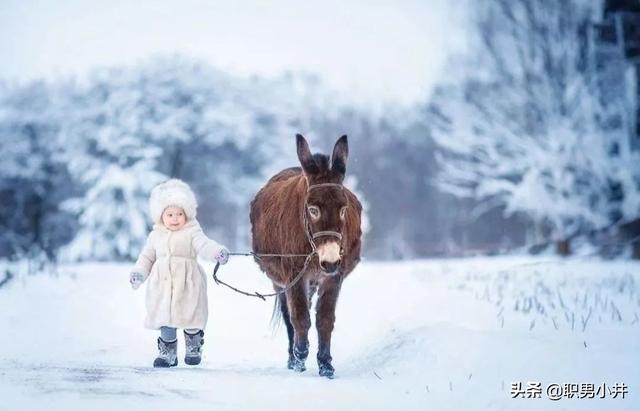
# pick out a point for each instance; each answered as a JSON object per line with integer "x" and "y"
{"x": 168, "y": 334}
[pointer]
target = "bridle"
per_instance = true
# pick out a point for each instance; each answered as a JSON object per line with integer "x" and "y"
{"x": 307, "y": 228}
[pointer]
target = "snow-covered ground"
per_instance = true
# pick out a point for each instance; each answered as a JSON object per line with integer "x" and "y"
{"x": 432, "y": 334}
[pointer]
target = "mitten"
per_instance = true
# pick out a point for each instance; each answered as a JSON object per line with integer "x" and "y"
{"x": 136, "y": 279}
{"x": 223, "y": 256}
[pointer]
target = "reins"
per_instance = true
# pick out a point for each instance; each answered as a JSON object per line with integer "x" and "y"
{"x": 308, "y": 257}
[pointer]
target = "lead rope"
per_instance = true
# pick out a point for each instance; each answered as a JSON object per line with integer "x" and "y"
{"x": 259, "y": 256}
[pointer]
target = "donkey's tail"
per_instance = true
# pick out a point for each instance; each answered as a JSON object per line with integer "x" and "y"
{"x": 276, "y": 315}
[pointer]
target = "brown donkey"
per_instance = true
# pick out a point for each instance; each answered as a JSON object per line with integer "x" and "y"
{"x": 298, "y": 211}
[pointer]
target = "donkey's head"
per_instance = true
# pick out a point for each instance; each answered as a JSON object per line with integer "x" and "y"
{"x": 325, "y": 200}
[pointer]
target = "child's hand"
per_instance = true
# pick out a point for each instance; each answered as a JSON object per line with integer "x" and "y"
{"x": 223, "y": 256}
{"x": 136, "y": 279}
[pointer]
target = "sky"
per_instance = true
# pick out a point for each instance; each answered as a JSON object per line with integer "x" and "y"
{"x": 370, "y": 51}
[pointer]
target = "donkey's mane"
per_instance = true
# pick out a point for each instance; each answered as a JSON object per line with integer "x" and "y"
{"x": 324, "y": 167}
{"x": 322, "y": 160}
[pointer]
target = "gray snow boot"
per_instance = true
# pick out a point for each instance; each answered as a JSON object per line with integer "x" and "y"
{"x": 168, "y": 356}
{"x": 193, "y": 347}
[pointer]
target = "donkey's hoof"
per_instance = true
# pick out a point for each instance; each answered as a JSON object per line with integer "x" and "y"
{"x": 299, "y": 357}
{"x": 297, "y": 365}
{"x": 327, "y": 370}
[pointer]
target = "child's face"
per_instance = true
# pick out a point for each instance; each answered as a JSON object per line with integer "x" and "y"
{"x": 173, "y": 218}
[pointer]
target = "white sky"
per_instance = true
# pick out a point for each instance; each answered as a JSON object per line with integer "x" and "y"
{"x": 370, "y": 50}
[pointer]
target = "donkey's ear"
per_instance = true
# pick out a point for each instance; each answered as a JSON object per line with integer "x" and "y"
{"x": 304, "y": 155}
{"x": 339, "y": 156}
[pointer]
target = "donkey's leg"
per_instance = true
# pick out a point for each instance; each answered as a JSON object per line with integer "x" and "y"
{"x": 299, "y": 315}
{"x": 287, "y": 322}
{"x": 325, "y": 319}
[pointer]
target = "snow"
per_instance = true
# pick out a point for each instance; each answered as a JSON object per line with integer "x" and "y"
{"x": 437, "y": 334}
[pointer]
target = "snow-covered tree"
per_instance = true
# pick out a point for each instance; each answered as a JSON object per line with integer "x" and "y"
{"x": 525, "y": 130}
{"x": 33, "y": 177}
{"x": 113, "y": 167}
{"x": 83, "y": 156}
{"x": 131, "y": 127}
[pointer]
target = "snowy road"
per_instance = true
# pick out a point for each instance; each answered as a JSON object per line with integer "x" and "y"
{"x": 446, "y": 334}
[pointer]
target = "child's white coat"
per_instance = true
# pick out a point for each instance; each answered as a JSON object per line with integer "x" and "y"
{"x": 177, "y": 286}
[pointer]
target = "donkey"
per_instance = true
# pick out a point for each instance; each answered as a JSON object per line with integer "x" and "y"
{"x": 302, "y": 211}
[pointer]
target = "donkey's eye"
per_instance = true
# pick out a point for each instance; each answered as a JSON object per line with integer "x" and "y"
{"x": 343, "y": 212}
{"x": 314, "y": 212}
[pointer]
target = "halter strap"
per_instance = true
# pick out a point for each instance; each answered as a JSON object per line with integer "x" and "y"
{"x": 324, "y": 185}
{"x": 329, "y": 233}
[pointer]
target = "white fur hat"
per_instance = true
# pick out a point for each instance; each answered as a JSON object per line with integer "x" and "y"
{"x": 172, "y": 193}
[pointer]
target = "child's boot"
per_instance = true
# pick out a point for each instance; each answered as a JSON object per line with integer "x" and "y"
{"x": 168, "y": 354}
{"x": 193, "y": 345}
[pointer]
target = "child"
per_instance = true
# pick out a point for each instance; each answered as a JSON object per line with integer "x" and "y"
{"x": 177, "y": 288}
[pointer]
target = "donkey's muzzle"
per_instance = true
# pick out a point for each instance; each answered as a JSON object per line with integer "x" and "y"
{"x": 329, "y": 256}
{"x": 329, "y": 268}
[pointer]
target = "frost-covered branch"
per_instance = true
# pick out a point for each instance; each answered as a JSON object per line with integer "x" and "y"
{"x": 526, "y": 129}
